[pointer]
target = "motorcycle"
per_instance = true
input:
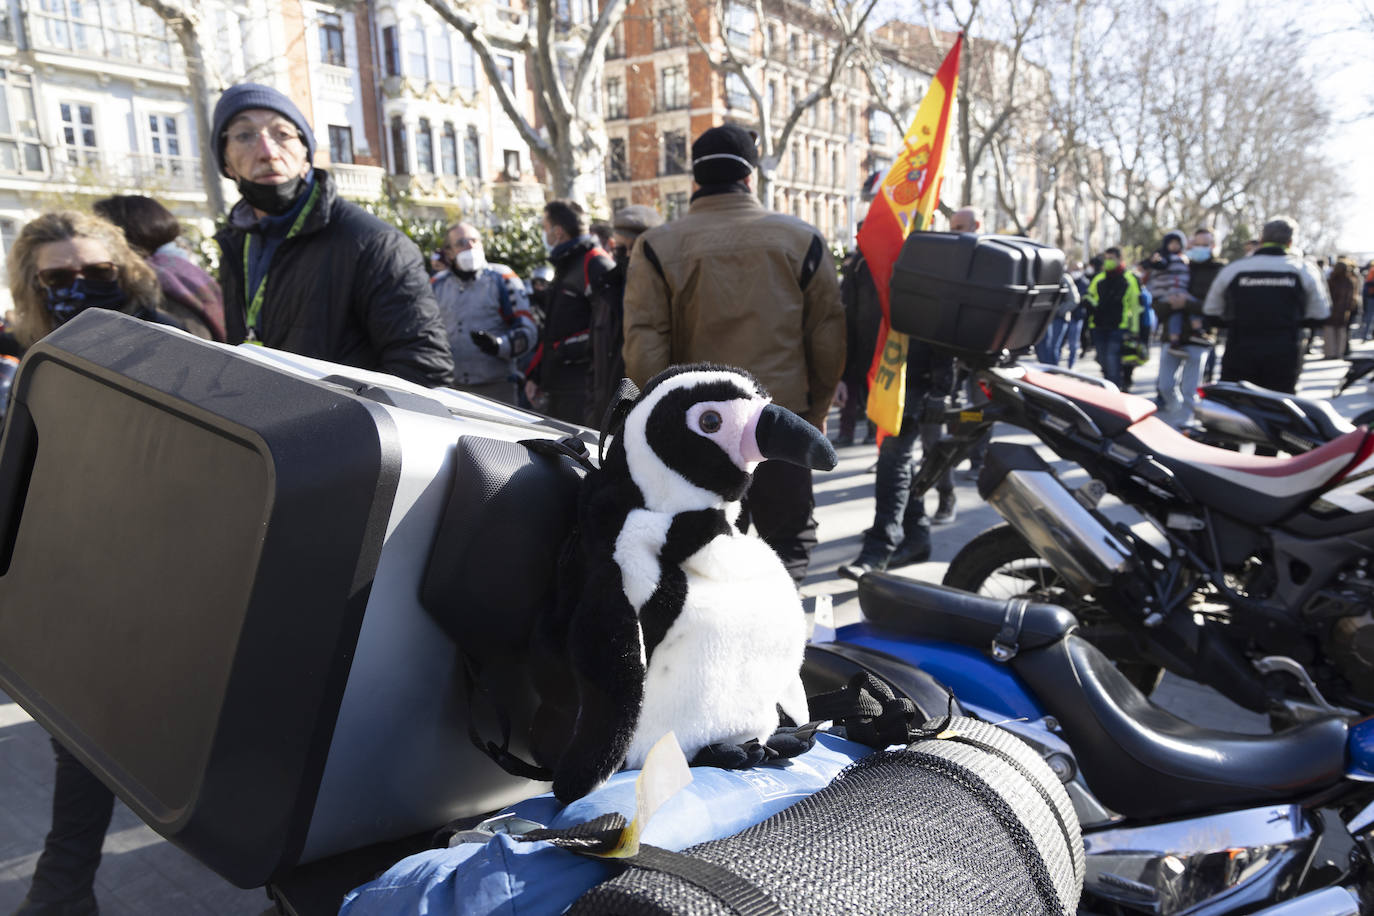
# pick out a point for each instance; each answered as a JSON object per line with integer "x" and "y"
{"x": 1245, "y": 573}
{"x": 1176, "y": 818}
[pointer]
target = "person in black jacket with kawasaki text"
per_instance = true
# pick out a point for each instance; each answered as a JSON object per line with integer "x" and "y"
{"x": 1265, "y": 301}
{"x": 306, "y": 271}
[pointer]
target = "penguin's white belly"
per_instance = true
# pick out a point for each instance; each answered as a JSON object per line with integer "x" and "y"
{"x": 731, "y": 656}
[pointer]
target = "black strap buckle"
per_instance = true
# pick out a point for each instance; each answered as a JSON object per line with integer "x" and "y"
{"x": 1005, "y": 644}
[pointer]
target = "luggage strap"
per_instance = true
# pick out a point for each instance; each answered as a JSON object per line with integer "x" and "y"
{"x": 598, "y": 838}
{"x": 870, "y": 713}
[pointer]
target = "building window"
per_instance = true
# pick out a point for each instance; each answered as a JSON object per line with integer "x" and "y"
{"x": 467, "y": 67}
{"x": 118, "y": 29}
{"x": 617, "y": 165}
{"x": 835, "y": 168}
{"x": 877, "y": 127}
{"x": 443, "y": 58}
{"x": 618, "y": 204}
{"x": 737, "y": 92}
{"x": 505, "y": 69}
{"x": 616, "y": 46}
{"x": 78, "y": 133}
{"x": 417, "y": 61}
{"x": 512, "y": 160}
{"x": 164, "y": 142}
{"x": 668, "y": 32}
{"x": 615, "y": 97}
{"x": 674, "y": 152}
{"x": 20, "y": 150}
{"x": 400, "y": 156}
{"x": 739, "y": 24}
{"x": 472, "y": 154}
{"x": 795, "y": 159}
{"x": 424, "y": 148}
{"x": 448, "y": 150}
{"x": 674, "y": 82}
{"x": 340, "y": 145}
{"x": 815, "y": 165}
{"x": 391, "y": 51}
{"x": 773, "y": 48}
{"x": 332, "y": 40}
{"x": 675, "y": 204}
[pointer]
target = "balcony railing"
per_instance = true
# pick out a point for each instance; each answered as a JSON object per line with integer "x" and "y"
{"x": 336, "y": 83}
{"x": 358, "y": 182}
{"x": 127, "y": 171}
{"x": 92, "y": 40}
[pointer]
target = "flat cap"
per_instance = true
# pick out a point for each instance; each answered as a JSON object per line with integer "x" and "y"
{"x": 635, "y": 219}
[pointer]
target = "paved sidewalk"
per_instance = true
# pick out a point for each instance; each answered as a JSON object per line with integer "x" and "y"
{"x": 142, "y": 875}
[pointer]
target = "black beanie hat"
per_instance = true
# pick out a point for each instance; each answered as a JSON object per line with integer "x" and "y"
{"x": 246, "y": 96}
{"x": 724, "y": 154}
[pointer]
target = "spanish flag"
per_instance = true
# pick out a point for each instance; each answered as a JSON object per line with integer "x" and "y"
{"x": 905, "y": 202}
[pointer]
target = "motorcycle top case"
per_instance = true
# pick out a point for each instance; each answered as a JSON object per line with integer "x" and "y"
{"x": 975, "y": 294}
{"x": 211, "y": 563}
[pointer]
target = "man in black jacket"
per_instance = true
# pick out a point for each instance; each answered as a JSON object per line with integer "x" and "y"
{"x": 306, "y": 271}
{"x": 559, "y": 375}
{"x": 1264, "y": 301}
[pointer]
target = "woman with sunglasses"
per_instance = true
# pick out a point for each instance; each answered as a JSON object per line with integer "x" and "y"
{"x": 66, "y": 262}
{"x": 62, "y": 264}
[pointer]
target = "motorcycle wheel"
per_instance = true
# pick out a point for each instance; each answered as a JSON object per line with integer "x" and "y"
{"x": 1000, "y": 563}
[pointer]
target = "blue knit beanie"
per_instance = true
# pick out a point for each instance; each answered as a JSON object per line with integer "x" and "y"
{"x": 246, "y": 96}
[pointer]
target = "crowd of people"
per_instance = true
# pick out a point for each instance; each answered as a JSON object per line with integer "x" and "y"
{"x": 729, "y": 282}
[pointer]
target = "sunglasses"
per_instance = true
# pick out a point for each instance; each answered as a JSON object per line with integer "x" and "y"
{"x": 65, "y": 277}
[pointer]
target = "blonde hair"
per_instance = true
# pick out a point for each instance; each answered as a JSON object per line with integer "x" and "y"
{"x": 32, "y": 318}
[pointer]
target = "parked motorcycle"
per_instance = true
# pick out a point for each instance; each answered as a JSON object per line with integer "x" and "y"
{"x": 1232, "y": 414}
{"x": 1176, "y": 818}
{"x": 1246, "y": 573}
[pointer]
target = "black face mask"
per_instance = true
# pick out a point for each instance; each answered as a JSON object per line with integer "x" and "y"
{"x": 273, "y": 199}
{"x": 66, "y": 304}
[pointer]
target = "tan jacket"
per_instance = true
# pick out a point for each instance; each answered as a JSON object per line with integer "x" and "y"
{"x": 723, "y": 284}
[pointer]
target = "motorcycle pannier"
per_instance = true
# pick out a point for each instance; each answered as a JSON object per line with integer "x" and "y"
{"x": 211, "y": 565}
{"x": 975, "y": 294}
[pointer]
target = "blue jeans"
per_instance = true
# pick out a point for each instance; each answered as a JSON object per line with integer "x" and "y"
{"x": 898, "y": 515}
{"x": 1073, "y": 336}
{"x": 1178, "y": 381}
{"x": 1047, "y": 349}
{"x": 1108, "y": 345}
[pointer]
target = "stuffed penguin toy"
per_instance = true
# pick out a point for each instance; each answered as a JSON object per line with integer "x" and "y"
{"x": 682, "y": 623}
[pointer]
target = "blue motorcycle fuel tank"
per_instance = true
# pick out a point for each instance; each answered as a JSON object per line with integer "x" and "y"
{"x": 970, "y": 673}
{"x": 1361, "y": 750}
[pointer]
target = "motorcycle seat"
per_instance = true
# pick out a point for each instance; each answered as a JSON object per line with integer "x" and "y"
{"x": 1113, "y": 411}
{"x": 1142, "y": 761}
{"x": 1255, "y": 489}
{"x": 929, "y": 611}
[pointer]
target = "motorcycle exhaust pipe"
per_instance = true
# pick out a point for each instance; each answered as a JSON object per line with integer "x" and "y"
{"x": 1227, "y": 421}
{"x": 1023, "y": 489}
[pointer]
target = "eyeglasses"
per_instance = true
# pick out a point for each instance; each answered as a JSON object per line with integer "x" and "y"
{"x": 65, "y": 277}
{"x": 464, "y": 244}
{"x": 280, "y": 136}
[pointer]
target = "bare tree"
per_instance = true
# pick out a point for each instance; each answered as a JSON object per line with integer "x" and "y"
{"x": 185, "y": 20}
{"x": 568, "y": 134}
{"x": 753, "y": 63}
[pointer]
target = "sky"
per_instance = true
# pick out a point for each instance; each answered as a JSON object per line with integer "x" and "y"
{"x": 1349, "y": 90}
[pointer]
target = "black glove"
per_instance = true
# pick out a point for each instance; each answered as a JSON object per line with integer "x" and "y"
{"x": 489, "y": 344}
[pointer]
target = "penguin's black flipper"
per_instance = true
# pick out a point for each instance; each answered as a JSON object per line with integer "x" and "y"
{"x": 604, "y": 645}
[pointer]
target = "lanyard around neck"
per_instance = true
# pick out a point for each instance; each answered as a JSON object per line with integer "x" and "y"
{"x": 255, "y": 304}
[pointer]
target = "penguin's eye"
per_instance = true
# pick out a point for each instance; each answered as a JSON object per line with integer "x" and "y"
{"x": 709, "y": 422}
